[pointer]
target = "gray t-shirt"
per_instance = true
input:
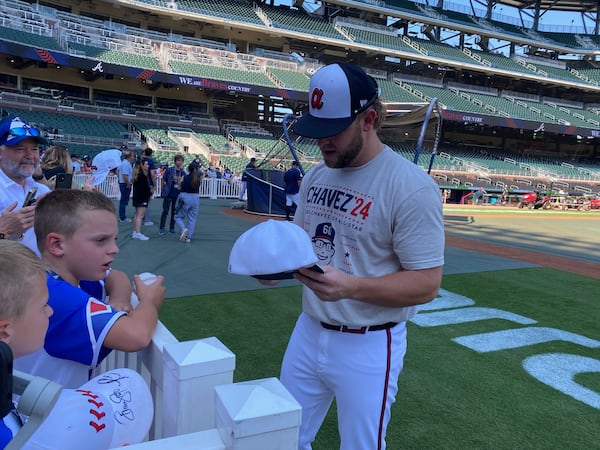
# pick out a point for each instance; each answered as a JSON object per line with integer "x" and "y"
{"x": 382, "y": 217}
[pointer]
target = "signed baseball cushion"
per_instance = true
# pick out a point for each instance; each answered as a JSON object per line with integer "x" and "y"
{"x": 114, "y": 409}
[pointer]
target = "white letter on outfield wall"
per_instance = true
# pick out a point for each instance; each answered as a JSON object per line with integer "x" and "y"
{"x": 558, "y": 371}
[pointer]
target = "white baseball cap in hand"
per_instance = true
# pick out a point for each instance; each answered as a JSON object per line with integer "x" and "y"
{"x": 272, "y": 250}
{"x": 105, "y": 161}
{"x": 114, "y": 409}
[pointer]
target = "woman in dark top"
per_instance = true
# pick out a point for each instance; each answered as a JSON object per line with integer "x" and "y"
{"x": 141, "y": 197}
{"x": 56, "y": 160}
{"x": 188, "y": 203}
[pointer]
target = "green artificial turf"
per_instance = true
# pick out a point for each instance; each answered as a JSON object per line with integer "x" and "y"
{"x": 450, "y": 396}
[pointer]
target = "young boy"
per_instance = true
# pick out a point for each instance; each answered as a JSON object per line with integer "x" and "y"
{"x": 76, "y": 232}
{"x": 24, "y": 318}
{"x": 24, "y": 310}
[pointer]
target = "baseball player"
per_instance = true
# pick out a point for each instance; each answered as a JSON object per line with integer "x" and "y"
{"x": 292, "y": 179}
{"x": 376, "y": 220}
{"x": 250, "y": 165}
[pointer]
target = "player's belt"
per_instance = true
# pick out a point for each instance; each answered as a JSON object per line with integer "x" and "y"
{"x": 358, "y": 330}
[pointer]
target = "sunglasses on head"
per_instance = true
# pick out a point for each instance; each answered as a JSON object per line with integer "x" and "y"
{"x": 24, "y": 131}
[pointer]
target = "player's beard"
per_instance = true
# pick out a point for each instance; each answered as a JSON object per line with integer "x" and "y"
{"x": 352, "y": 151}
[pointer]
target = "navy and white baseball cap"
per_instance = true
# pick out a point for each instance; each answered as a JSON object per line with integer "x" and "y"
{"x": 14, "y": 130}
{"x": 272, "y": 250}
{"x": 337, "y": 94}
{"x": 325, "y": 231}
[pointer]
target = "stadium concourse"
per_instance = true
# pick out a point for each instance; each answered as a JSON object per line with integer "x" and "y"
{"x": 477, "y": 240}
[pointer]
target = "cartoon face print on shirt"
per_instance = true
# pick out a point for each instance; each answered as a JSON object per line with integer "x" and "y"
{"x": 323, "y": 242}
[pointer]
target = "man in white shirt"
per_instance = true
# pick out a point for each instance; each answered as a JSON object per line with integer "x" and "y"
{"x": 75, "y": 164}
{"x": 125, "y": 183}
{"x": 19, "y": 159}
{"x": 212, "y": 173}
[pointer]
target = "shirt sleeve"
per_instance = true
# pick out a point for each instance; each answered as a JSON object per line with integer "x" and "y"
{"x": 79, "y": 324}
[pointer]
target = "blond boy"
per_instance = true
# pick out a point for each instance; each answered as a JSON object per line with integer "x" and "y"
{"x": 24, "y": 310}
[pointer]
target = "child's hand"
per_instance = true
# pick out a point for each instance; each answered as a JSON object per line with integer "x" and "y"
{"x": 153, "y": 293}
{"x": 133, "y": 332}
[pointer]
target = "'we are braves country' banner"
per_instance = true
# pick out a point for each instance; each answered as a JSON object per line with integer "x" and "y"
{"x": 102, "y": 68}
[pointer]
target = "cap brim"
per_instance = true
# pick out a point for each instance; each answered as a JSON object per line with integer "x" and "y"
{"x": 18, "y": 139}
{"x": 287, "y": 275}
{"x": 276, "y": 276}
{"x": 317, "y": 128}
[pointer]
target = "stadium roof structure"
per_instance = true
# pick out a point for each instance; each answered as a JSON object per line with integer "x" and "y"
{"x": 525, "y": 9}
{"x": 558, "y": 5}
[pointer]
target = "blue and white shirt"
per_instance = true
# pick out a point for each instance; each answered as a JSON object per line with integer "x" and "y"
{"x": 73, "y": 345}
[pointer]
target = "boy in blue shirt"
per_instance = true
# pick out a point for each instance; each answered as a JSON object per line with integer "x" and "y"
{"x": 76, "y": 233}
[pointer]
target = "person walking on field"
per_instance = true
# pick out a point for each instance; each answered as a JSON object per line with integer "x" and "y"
{"x": 152, "y": 181}
{"x": 188, "y": 203}
{"x": 292, "y": 180}
{"x": 171, "y": 186}
{"x": 141, "y": 197}
{"x": 125, "y": 183}
{"x": 250, "y": 165}
{"x": 385, "y": 251}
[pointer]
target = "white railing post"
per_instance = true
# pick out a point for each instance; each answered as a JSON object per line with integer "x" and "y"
{"x": 191, "y": 370}
{"x": 213, "y": 188}
{"x": 257, "y": 414}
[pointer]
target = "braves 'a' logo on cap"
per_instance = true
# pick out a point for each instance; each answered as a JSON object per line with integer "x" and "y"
{"x": 316, "y": 98}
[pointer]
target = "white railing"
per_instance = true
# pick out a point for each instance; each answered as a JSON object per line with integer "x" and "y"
{"x": 209, "y": 188}
{"x": 109, "y": 187}
{"x": 220, "y": 188}
{"x": 196, "y": 404}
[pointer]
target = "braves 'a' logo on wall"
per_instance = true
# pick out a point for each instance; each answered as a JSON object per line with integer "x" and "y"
{"x": 316, "y": 98}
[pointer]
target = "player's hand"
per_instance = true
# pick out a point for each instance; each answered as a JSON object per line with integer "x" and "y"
{"x": 153, "y": 293}
{"x": 14, "y": 222}
{"x": 329, "y": 286}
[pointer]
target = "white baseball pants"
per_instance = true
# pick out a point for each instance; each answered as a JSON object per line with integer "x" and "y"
{"x": 360, "y": 370}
